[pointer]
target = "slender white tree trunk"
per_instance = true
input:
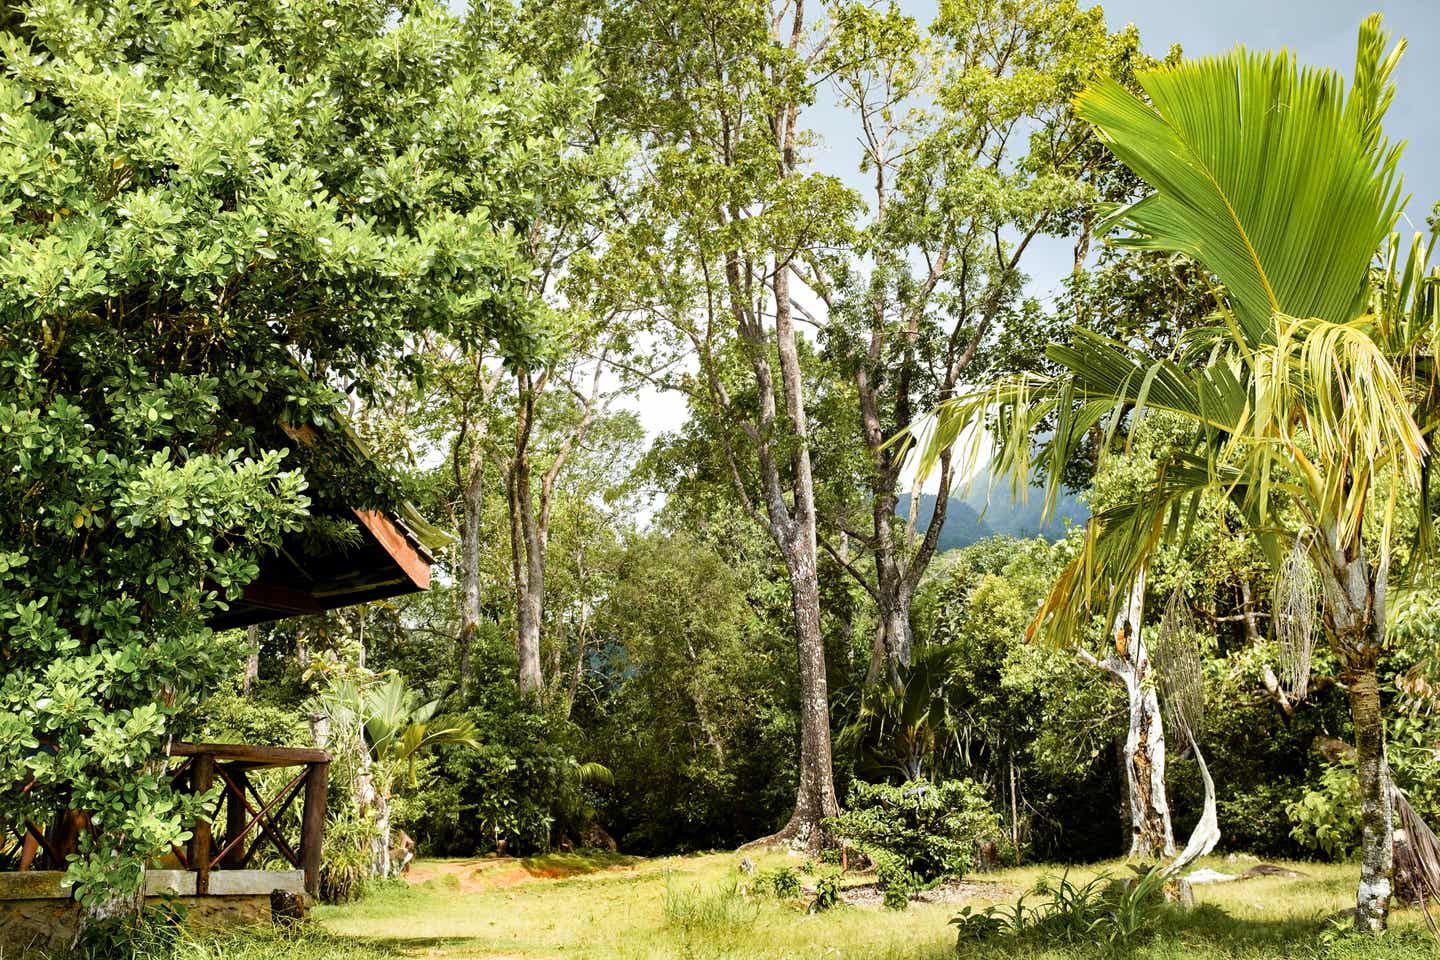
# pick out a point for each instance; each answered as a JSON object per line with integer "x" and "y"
{"x": 1151, "y": 835}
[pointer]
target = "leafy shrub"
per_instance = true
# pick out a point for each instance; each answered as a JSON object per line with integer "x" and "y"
{"x": 783, "y": 882}
{"x": 928, "y": 830}
{"x": 827, "y": 893}
{"x": 896, "y": 883}
{"x": 522, "y": 788}
{"x": 1325, "y": 817}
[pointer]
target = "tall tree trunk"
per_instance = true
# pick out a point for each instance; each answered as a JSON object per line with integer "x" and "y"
{"x": 530, "y": 521}
{"x": 380, "y": 846}
{"x": 815, "y": 797}
{"x": 527, "y": 550}
{"x": 528, "y": 581}
{"x": 1355, "y": 619}
{"x": 470, "y": 532}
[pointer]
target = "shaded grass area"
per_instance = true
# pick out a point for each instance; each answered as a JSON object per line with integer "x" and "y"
{"x": 616, "y": 908}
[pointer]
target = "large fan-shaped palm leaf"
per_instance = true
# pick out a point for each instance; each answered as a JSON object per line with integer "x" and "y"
{"x": 1266, "y": 173}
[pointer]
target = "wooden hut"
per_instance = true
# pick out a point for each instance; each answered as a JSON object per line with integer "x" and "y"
{"x": 240, "y": 853}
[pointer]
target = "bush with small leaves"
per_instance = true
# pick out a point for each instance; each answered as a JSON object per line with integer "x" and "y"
{"x": 928, "y": 830}
{"x": 897, "y": 883}
{"x": 782, "y": 882}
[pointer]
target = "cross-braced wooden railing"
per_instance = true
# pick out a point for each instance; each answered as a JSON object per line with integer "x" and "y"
{"x": 251, "y": 820}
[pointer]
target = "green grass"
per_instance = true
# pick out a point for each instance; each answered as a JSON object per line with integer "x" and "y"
{"x": 617, "y": 908}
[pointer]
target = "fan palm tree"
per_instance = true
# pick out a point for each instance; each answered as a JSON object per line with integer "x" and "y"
{"x": 905, "y": 727}
{"x": 1308, "y": 398}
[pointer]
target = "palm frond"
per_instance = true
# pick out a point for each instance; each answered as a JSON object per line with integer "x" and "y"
{"x": 1264, "y": 173}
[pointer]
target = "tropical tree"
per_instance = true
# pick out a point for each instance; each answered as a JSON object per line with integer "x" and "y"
{"x": 727, "y": 210}
{"x": 388, "y": 730}
{"x": 906, "y": 725}
{"x": 1278, "y": 182}
{"x": 218, "y": 220}
{"x": 929, "y": 293}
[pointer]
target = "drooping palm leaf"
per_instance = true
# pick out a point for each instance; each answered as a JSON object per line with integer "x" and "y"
{"x": 1281, "y": 185}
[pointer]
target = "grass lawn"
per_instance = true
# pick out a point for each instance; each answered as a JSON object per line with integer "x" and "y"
{"x": 608, "y": 908}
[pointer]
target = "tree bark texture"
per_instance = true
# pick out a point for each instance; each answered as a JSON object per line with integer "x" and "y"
{"x": 1354, "y": 600}
{"x": 1152, "y": 836}
{"x": 529, "y": 503}
{"x": 470, "y": 532}
{"x": 776, "y": 434}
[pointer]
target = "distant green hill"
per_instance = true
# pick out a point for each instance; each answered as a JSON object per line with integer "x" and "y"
{"x": 969, "y": 518}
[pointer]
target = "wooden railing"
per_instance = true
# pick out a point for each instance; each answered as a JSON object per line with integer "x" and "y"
{"x": 249, "y": 820}
{"x": 247, "y": 825}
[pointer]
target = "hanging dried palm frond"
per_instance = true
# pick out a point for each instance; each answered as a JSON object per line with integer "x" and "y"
{"x": 1417, "y": 855}
{"x": 1296, "y": 599}
{"x": 1178, "y": 664}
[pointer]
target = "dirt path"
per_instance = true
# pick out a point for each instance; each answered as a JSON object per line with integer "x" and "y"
{"x": 481, "y": 874}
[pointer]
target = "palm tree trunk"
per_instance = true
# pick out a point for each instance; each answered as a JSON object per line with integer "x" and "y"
{"x": 1372, "y": 904}
{"x": 1355, "y": 619}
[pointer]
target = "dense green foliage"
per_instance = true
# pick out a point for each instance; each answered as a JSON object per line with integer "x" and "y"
{"x": 217, "y": 221}
{"x": 225, "y": 224}
{"x": 916, "y": 833}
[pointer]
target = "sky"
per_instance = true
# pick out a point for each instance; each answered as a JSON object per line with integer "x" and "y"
{"x": 1320, "y": 32}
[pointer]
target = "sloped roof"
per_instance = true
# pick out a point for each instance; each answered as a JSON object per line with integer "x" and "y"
{"x": 309, "y": 574}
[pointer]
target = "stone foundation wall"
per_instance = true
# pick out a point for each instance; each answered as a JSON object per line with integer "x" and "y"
{"x": 37, "y": 924}
{"x": 37, "y": 913}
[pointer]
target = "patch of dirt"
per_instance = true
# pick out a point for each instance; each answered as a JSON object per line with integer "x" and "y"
{"x": 480, "y": 874}
{"x": 951, "y": 891}
{"x": 1269, "y": 870}
{"x": 556, "y": 871}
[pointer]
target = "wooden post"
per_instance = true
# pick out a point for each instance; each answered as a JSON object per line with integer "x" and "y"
{"x": 202, "y": 777}
{"x": 235, "y": 817}
{"x": 312, "y": 824}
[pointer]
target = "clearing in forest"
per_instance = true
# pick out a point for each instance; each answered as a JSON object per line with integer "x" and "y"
{"x": 611, "y": 907}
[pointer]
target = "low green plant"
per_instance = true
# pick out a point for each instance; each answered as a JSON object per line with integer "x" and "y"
{"x": 973, "y": 925}
{"x": 782, "y": 882}
{"x": 1113, "y": 914}
{"x": 897, "y": 883}
{"x": 827, "y": 893}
